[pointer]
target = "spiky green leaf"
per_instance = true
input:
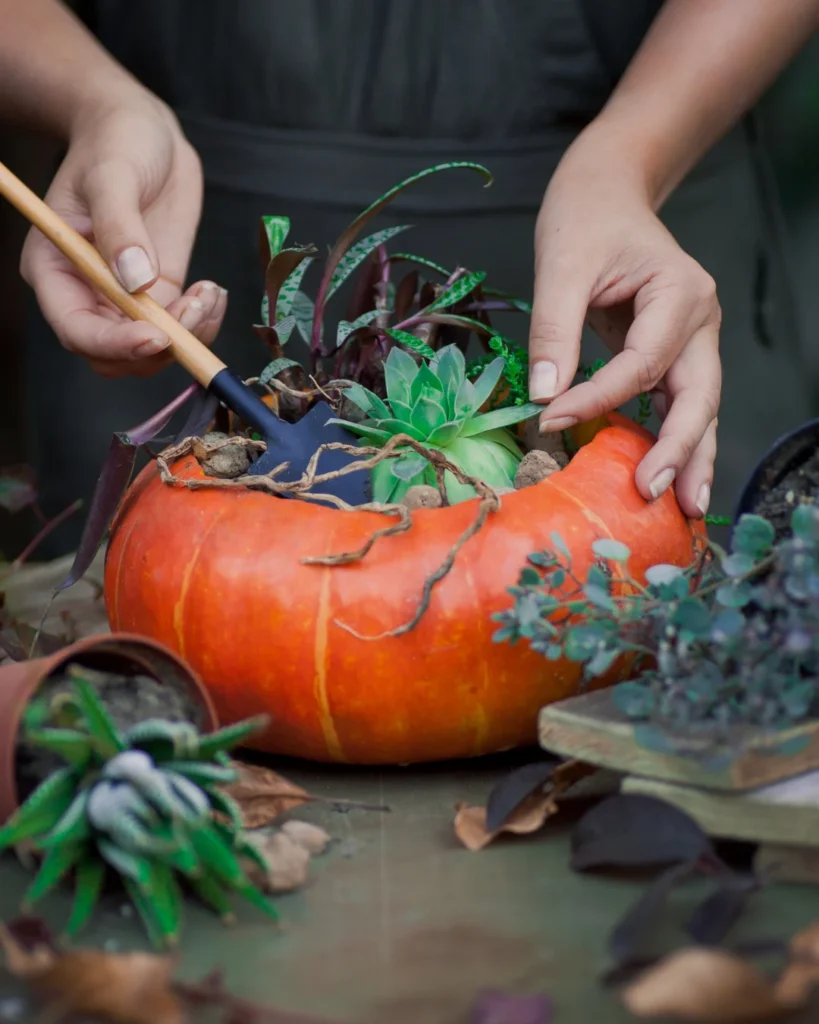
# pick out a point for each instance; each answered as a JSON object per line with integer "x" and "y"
{"x": 227, "y": 806}
{"x": 400, "y": 371}
{"x": 164, "y": 740}
{"x": 129, "y": 865}
{"x": 146, "y": 913}
{"x": 166, "y": 901}
{"x": 202, "y": 774}
{"x": 90, "y": 877}
{"x": 357, "y": 253}
{"x": 57, "y": 862}
{"x": 217, "y": 857}
{"x": 378, "y": 437}
{"x": 73, "y": 826}
{"x": 107, "y": 740}
{"x": 42, "y": 810}
{"x": 71, "y": 745}
{"x": 230, "y": 736}
{"x": 488, "y": 381}
{"x": 500, "y": 418}
{"x": 367, "y": 401}
{"x": 214, "y": 895}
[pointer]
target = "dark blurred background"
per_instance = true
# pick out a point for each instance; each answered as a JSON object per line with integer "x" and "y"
{"x": 788, "y": 115}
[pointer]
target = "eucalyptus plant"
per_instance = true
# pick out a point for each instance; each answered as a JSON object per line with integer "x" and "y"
{"x": 731, "y": 639}
{"x": 146, "y": 806}
{"x": 438, "y": 406}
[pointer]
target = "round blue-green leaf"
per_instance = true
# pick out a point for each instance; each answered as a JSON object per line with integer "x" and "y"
{"x": 753, "y": 536}
{"x": 662, "y": 575}
{"x": 611, "y": 550}
{"x": 804, "y": 522}
{"x": 738, "y": 564}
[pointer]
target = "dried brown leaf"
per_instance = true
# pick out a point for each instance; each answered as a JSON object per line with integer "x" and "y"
{"x": 528, "y": 817}
{"x": 287, "y": 863}
{"x": 710, "y": 985}
{"x": 263, "y": 795}
{"x": 314, "y": 839}
{"x": 470, "y": 822}
{"x": 122, "y": 988}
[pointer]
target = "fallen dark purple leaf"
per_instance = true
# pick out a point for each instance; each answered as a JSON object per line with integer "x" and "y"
{"x": 508, "y": 794}
{"x": 31, "y": 933}
{"x": 116, "y": 474}
{"x": 630, "y": 935}
{"x": 633, "y": 830}
{"x": 494, "y": 1007}
{"x": 714, "y": 917}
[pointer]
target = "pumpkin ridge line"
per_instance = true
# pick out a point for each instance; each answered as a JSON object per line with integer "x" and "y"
{"x": 113, "y": 613}
{"x": 179, "y": 604}
{"x": 320, "y": 648}
{"x": 593, "y": 517}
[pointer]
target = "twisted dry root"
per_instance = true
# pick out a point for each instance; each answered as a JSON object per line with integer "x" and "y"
{"x": 303, "y": 489}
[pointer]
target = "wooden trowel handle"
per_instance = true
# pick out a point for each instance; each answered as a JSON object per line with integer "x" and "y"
{"x": 187, "y": 349}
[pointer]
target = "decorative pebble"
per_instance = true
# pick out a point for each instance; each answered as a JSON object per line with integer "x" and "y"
{"x": 422, "y": 496}
{"x": 534, "y": 467}
{"x": 231, "y": 461}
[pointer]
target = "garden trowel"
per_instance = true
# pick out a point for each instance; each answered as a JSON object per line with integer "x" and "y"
{"x": 294, "y": 443}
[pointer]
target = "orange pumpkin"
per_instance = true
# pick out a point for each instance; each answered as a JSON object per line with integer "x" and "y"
{"x": 216, "y": 575}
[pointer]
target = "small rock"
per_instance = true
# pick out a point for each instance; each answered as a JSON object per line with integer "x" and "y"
{"x": 314, "y": 839}
{"x": 231, "y": 461}
{"x": 287, "y": 862}
{"x": 422, "y": 496}
{"x": 535, "y": 466}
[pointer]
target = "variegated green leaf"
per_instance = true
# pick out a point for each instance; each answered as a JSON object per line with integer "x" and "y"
{"x": 42, "y": 810}
{"x": 56, "y": 864}
{"x": 410, "y": 341}
{"x": 90, "y": 876}
{"x": 408, "y": 257}
{"x": 129, "y": 865}
{"x": 290, "y": 288}
{"x": 227, "y": 806}
{"x": 357, "y": 253}
{"x": 164, "y": 740}
{"x": 274, "y": 232}
{"x": 349, "y": 236}
{"x": 274, "y": 368}
{"x": 202, "y": 774}
{"x": 303, "y": 312}
{"x": 347, "y": 327}
{"x": 458, "y": 290}
{"x": 500, "y": 418}
{"x": 279, "y": 271}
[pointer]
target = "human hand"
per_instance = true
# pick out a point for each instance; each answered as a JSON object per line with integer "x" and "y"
{"x": 132, "y": 184}
{"x": 603, "y": 256}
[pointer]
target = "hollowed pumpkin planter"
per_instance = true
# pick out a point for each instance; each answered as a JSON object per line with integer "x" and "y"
{"x": 217, "y": 576}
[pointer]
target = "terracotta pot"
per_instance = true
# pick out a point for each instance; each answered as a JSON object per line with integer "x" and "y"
{"x": 112, "y": 652}
{"x": 218, "y": 575}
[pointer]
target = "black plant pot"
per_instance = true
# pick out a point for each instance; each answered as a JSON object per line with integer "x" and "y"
{"x": 784, "y": 455}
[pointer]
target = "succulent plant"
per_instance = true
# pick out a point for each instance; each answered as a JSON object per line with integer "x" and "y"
{"x": 438, "y": 406}
{"x": 146, "y": 805}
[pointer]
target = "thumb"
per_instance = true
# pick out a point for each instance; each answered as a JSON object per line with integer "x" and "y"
{"x": 558, "y": 314}
{"x": 112, "y": 191}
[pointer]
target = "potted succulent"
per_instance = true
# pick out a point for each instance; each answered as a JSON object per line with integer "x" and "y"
{"x": 142, "y": 804}
{"x": 366, "y": 633}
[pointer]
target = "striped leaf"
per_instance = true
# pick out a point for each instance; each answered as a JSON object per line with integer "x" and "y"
{"x": 289, "y": 289}
{"x": 226, "y": 805}
{"x": 202, "y": 774}
{"x": 354, "y": 229}
{"x": 73, "y": 826}
{"x": 128, "y": 865}
{"x": 90, "y": 876}
{"x": 410, "y": 341}
{"x": 274, "y": 368}
{"x": 422, "y": 261}
{"x": 166, "y": 902}
{"x": 303, "y": 312}
{"x": 456, "y": 291}
{"x": 164, "y": 740}
{"x": 284, "y": 328}
{"x": 217, "y": 857}
{"x": 280, "y": 270}
{"x": 43, "y": 809}
{"x": 357, "y": 253}
{"x": 347, "y": 327}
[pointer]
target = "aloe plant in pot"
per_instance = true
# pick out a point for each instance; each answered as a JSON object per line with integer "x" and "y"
{"x": 145, "y": 805}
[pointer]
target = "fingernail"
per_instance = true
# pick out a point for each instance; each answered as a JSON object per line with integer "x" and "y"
{"x": 134, "y": 268}
{"x": 661, "y": 482}
{"x": 210, "y": 286}
{"x": 151, "y": 347}
{"x": 223, "y": 291}
{"x": 703, "y": 498}
{"x": 543, "y": 381}
{"x": 192, "y": 315}
{"x": 557, "y": 423}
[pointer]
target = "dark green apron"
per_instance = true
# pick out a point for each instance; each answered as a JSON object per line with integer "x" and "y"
{"x": 314, "y": 108}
